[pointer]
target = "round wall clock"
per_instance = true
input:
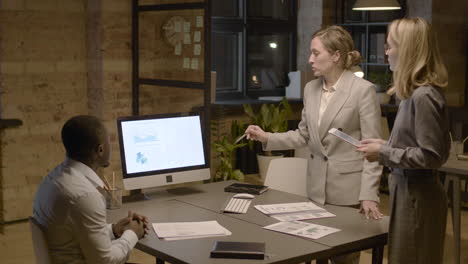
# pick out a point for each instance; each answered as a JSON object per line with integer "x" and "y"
{"x": 172, "y": 30}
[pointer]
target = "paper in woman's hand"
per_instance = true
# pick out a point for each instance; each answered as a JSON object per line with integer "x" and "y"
{"x": 343, "y": 136}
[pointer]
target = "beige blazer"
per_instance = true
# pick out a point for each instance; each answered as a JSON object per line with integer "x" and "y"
{"x": 337, "y": 173}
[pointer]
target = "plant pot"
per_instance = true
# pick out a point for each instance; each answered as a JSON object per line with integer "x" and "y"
{"x": 263, "y": 163}
{"x": 246, "y": 158}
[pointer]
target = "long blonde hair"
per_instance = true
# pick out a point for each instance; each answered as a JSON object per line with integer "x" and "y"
{"x": 419, "y": 62}
{"x": 336, "y": 38}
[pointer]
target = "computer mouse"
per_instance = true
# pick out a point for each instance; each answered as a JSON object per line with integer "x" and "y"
{"x": 244, "y": 196}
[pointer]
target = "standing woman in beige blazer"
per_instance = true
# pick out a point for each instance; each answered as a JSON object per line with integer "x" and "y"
{"x": 337, "y": 173}
{"x": 419, "y": 144}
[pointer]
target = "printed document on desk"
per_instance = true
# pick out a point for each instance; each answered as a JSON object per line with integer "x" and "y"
{"x": 189, "y": 230}
{"x": 302, "y": 229}
{"x": 294, "y": 211}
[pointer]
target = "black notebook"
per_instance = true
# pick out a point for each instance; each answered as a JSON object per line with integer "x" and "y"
{"x": 238, "y": 250}
{"x": 246, "y": 188}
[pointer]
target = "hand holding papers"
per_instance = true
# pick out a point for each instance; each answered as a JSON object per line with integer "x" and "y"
{"x": 294, "y": 211}
{"x": 344, "y": 136}
{"x": 189, "y": 230}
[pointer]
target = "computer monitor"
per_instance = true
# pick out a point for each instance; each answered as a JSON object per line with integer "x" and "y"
{"x": 158, "y": 150}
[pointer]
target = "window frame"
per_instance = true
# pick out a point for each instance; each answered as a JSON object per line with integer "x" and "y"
{"x": 246, "y": 27}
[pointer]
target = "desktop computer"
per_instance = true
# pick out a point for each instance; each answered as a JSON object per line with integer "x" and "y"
{"x": 160, "y": 150}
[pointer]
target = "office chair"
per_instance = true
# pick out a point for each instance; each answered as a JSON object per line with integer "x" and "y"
{"x": 41, "y": 249}
{"x": 287, "y": 175}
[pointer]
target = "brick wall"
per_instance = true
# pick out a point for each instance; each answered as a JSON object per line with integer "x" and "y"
{"x": 449, "y": 18}
{"x": 60, "y": 58}
{"x": 43, "y": 73}
{"x": 450, "y": 23}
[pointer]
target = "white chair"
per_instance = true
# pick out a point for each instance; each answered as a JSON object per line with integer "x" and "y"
{"x": 41, "y": 249}
{"x": 287, "y": 175}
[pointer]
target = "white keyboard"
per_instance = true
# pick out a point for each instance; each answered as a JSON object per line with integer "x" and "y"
{"x": 237, "y": 205}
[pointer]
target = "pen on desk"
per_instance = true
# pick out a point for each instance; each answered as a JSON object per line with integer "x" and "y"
{"x": 240, "y": 138}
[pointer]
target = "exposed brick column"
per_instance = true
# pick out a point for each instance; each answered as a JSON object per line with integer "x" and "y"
{"x": 43, "y": 72}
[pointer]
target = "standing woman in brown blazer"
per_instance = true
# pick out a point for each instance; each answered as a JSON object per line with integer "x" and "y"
{"x": 419, "y": 144}
{"x": 337, "y": 173}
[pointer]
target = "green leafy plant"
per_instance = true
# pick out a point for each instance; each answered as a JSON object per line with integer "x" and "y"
{"x": 225, "y": 147}
{"x": 382, "y": 80}
{"x": 270, "y": 117}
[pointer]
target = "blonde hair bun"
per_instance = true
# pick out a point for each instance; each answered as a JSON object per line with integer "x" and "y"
{"x": 354, "y": 58}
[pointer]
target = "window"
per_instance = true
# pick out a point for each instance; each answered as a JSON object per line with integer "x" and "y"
{"x": 368, "y": 30}
{"x": 253, "y": 47}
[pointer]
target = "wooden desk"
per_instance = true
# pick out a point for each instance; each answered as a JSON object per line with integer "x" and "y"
{"x": 456, "y": 170}
{"x": 204, "y": 203}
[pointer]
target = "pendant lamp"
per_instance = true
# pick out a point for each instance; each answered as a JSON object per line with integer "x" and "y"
{"x": 374, "y": 5}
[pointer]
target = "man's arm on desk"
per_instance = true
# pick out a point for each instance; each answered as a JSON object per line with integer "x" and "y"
{"x": 125, "y": 223}
{"x": 94, "y": 234}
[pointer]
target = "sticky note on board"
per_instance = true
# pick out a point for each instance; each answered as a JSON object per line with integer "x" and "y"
{"x": 199, "y": 21}
{"x": 186, "y": 27}
{"x": 178, "y": 49}
{"x": 197, "y": 49}
{"x": 187, "y": 39}
{"x": 194, "y": 64}
{"x": 186, "y": 63}
{"x": 197, "y": 36}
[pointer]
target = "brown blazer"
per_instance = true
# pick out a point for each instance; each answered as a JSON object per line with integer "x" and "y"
{"x": 337, "y": 173}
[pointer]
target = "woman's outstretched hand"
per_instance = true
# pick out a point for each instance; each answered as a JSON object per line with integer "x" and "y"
{"x": 256, "y": 133}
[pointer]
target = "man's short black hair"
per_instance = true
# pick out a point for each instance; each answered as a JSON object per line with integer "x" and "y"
{"x": 81, "y": 134}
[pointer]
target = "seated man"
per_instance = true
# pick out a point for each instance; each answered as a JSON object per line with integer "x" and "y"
{"x": 70, "y": 206}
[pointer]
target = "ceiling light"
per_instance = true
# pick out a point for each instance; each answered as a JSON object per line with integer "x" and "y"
{"x": 375, "y": 5}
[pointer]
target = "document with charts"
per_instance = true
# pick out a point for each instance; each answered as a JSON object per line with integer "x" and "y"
{"x": 294, "y": 211}
{"x": 302, "y": 229}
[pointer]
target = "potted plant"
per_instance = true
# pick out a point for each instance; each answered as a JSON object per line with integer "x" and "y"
{"x": 225, "y": 146}
{"x": 271, "y": 118}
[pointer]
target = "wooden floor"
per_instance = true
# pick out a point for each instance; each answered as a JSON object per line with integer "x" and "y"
{"x": 16, "y": 244}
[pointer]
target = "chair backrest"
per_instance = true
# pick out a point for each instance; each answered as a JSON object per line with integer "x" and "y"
{"x": 287, "y": 175}
{"x": 41, "y": 249}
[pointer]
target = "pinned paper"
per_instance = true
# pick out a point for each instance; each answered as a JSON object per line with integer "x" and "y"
{"x": 187, "y": 39}
{"x": 199, "y": 21}
{"x": 197, "y": 36}
{"x": 194, "y": 64}
{"x": 186, "y": 27}
{"x": 186, "y": 63}
{"x": 196, "y": 49}
{"x": 178, "y": 49}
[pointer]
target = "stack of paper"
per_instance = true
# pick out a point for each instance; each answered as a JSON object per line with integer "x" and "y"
{"x": 294, "y": 211}
{"x": 302, "y": 229}
{"x": 189, "y": 230}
